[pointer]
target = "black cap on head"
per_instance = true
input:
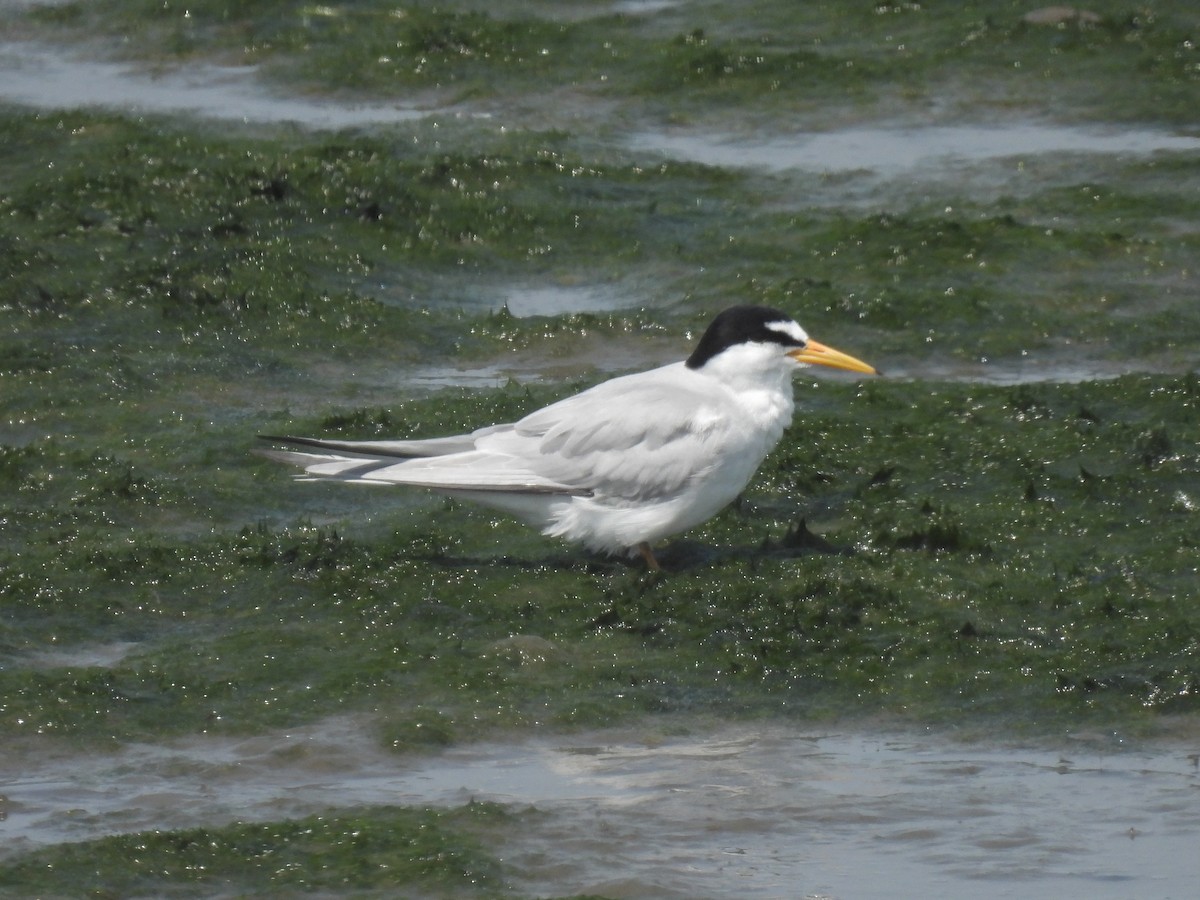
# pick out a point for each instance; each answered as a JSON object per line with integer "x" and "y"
{"x": 741, "y": 325}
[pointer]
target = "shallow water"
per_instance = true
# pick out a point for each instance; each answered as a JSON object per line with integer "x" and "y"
{"x": 557, "y": 300}
{"x": 1004, "y": 372}
{"x": 899, "y": 150}
{"x": 749, "y": 810}
{"x": 50, "y": 77}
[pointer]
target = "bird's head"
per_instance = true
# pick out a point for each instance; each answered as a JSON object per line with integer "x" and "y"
{"x": 770, "y": 336}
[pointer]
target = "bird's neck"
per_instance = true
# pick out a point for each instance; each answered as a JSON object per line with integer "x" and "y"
{"x": 761, "y": 384}
{"x": 750, "y": 370}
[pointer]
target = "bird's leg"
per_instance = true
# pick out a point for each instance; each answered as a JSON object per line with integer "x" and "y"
{"x": 648, "y": 556}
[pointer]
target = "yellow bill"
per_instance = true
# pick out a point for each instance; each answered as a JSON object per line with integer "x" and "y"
{"x": 817, "y": 354}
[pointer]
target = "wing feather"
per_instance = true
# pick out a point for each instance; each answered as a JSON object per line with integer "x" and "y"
{"x": 458, "y": 443}
{"x": 632, "y": 439}
{"x": 638, "y": 437}
{"x": 470, "y": 471}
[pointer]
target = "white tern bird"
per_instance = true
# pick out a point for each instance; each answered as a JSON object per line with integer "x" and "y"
{"x": 620, "y": 465}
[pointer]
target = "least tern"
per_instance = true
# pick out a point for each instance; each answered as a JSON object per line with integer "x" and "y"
{"x": 625, "y": 463}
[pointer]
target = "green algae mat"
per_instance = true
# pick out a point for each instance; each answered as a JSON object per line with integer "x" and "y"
{"x": 988, "y": 539}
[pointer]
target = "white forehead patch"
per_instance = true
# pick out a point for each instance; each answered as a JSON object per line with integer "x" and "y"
{"x": 789, "y": 328}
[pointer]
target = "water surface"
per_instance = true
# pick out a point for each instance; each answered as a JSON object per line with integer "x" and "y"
{"x": 764, "y": 810}
{"x": 893, "y": 151}
{"x": 52, "y": 77}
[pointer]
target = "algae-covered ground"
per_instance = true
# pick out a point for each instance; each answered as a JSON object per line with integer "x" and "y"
{"x": 988, "y": 540}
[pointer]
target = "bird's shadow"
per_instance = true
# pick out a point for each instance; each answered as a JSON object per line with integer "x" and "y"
{"x": 680, "y": 555}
